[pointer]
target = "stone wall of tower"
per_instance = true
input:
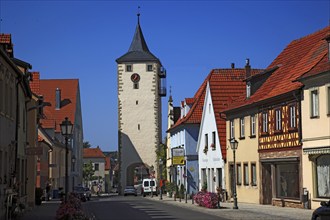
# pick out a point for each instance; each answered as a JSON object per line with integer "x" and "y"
{"x": 139, "y": 115}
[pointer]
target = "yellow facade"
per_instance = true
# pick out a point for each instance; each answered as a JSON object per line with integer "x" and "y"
{"x": 316, "y": 139}
{"x": 247, "y": 158}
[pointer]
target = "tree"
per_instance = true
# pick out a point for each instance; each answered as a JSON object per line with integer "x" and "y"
{"x": 86, "y": 144}
{"x": 161, "y": 155}
{"x": 88, "y": 172}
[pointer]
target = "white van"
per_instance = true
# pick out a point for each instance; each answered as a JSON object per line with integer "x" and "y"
{"x": 149, "y": 186}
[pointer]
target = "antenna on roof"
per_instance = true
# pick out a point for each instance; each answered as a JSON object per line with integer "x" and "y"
{"x": 138, "y": 14}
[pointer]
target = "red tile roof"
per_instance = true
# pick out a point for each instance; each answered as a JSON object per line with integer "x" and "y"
{"x": 69, "y": 90}
{"x": 226, "y": 85}
{"x": 35, "y": 83}
{"x": 301, "y": 56}
{"x": 5, "y": 38}
{"x": 93, "y": 153}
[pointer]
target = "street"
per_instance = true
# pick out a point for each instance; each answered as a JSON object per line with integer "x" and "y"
{"x": 131, "y": 207}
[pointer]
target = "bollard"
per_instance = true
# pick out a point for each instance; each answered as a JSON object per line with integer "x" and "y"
{"x": 186, "y": 195}
{"x": 192, "y": 198}
{"x": 180, "y": 197}
{"x": 174, "y": 196}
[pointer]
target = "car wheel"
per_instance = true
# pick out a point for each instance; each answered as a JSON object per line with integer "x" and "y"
{"x": 144, "y": 195}
{"x": 125, "y": 195}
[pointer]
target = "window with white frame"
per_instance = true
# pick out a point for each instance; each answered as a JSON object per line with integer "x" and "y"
{"x": 253, "y": 125}
{"x": 248, "y": 89}
{"x": 242, "y": 127}
{"x": 246, "y": 173}
{"x": 264, "y": 122}
{"x": 253, "y": 174}
{"x": 239, "y": 174}
{"x": 278, "y": 119}
{"x": 293, "y": 116}
{"x": 231, "y": 124}
{"x": 314, "y": 103}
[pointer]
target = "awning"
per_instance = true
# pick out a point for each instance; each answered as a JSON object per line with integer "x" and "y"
{"x": 317, "y": 150}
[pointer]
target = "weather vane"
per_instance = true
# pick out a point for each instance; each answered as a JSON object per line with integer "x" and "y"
{"x": 138, "y": 14}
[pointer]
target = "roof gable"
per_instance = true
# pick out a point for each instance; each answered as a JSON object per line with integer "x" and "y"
{"x": 298, "y": 58}
{"x": 69, "y": 90}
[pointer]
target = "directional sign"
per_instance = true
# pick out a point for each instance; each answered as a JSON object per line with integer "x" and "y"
{"x": 178, "y": 156}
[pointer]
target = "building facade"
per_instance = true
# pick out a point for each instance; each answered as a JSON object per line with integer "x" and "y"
{"x": 140, "y": 76}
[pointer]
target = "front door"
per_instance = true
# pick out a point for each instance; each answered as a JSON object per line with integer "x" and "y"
{"x": 266, "y": 184}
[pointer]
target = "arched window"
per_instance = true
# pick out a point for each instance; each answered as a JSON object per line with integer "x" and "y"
{"x": 323, "y": 175}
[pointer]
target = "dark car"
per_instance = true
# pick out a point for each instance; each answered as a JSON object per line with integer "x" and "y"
{"x": 322, "y": 212}
{"x": 80, "y": 192}
{"x": 130, "y": 190}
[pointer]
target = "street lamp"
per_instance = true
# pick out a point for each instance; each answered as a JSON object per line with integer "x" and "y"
{"x": 73, "y": 160}
{"x": 233, "y": 146}
{"x": 66, "y": 130}
{"x": 161, "y": 181}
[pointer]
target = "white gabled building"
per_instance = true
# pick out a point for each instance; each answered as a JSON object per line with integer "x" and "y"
{"x": 223, "y": 87}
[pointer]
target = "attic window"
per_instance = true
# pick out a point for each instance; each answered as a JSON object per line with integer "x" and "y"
{"x": 248, "y": 90}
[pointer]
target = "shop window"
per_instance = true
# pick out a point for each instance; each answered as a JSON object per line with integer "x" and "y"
{"x": 323, "y": 176}
{"x": 287, "y": 180}
{"x": 149, "y": 67}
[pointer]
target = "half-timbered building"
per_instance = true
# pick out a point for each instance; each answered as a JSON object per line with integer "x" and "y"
{"x": 277, "y": 97}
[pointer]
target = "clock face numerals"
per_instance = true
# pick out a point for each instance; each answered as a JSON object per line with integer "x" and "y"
{"x": 135, "y": 77}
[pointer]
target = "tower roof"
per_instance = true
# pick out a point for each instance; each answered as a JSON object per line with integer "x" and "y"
{"x": 138, "y": 51}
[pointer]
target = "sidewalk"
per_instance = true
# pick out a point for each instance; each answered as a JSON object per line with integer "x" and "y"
{"x": 245, "y": 210}
{"x": 47, "y": 210}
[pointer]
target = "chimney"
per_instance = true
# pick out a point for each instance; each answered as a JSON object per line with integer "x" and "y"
{"x": 57, "y": 99}
{"x": 233, "y": 65}
{"x": 247, "y": 68}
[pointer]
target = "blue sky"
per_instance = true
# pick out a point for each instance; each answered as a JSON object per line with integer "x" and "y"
{"x": 82, "y": 39}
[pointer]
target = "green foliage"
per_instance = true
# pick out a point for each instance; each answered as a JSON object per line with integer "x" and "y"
{"x": 88, "y": 171}
{"x": 86, "y": 144}
{"x": 170, "y": 187}
{"x": 204, "y": 187}
{"x": 161, "y": 159}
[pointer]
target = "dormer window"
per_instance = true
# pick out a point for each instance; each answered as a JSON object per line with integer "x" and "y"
{"x": 248, "y": 89}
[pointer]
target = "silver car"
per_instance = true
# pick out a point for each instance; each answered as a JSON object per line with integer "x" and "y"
{"x": 130, "y": 190}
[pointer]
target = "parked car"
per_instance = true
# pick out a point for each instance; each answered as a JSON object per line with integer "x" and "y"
{"x": 88, "y": 193}
{"x": 149, "y": 186}
{"x": 322, "y": 212}
{"x": 80, "y": 192}
{"x": 130, "y": 190}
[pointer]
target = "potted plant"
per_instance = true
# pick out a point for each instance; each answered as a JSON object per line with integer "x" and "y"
{"x": 205, "y": 150}
{"x": 38, "y": 195}
{"x": 170, "y": 187}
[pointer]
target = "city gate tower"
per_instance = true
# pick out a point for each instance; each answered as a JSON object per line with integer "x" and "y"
{"x": 141, "y": 84}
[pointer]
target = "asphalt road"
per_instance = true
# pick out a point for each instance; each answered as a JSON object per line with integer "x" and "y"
{"x": 130, "y": 207}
